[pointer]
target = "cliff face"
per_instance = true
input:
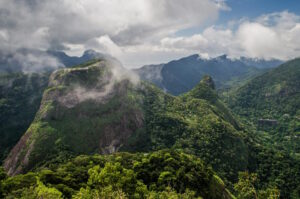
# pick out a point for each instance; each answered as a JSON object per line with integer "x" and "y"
{"x": 83, "y": 110}
{"x": 101, "y": 108}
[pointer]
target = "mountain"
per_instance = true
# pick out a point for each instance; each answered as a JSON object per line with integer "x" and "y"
{"x": 94, "y": 109}
{"x": 271, "y": 102}
{"x": 261, "y": 63}
{"x": 21, "y": 93}
{"x": 20, "y": 97}
{"x": 182, "y": 75}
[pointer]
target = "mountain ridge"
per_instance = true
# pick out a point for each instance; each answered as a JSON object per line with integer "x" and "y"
{"x": 179, "y": 76}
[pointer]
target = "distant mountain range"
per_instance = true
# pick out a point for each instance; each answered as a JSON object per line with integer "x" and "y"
{"x": 175, "y": 77}
{"x": 182, "y": 75}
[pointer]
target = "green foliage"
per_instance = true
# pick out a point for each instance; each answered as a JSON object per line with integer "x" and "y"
{"x": 171, "y": 194}
{"x": 273, "y": 149}
{"x": 199, "y": 125}
{"x": 246, "y": 188}
{"x": 114, "y": 177}
{"x": 161, "y": 174}
{"x": 3, "y": 176}
{"x": 275, "y": 169}
{"x": 40, "y": 191}
{"x": 273, "y": 95}
{"x": 106, "y": 192}
{"x": 20, "y": 97}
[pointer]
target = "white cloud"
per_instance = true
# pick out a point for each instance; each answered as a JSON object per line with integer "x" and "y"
{"x": 270, "y": 36}
{"x": 222, "y": 5}
{"x": 258, "y": 40}
{"x": 112, "y": 24}
{"x": 142, "y": 32}
{"x": 125, "y": 22}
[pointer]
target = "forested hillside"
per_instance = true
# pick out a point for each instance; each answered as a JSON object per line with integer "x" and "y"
{"x": 161, "y": 174}
{"x": 272, "y": 103}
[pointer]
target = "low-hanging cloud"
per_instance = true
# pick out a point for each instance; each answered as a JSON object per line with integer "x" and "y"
{"x": 104, "y": 88}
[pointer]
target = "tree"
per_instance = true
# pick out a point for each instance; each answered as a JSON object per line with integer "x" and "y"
{"x": 40, "y": 191}
{"x": 3, "y": 176}
{"x": 115, "y": 178}
{"x": 245, "y": 188}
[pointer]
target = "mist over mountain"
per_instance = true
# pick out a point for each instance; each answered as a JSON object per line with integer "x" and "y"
{"x": 38, "y": 61}
{"x": 182, "y": 75}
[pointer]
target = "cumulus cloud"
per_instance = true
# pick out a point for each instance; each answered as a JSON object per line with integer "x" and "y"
{"x": 269, "y": 36}
{"x": 140, "y": 32}
{"x": 107, "y": 25}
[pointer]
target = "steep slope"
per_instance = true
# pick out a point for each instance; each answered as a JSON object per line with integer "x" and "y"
{"x": 195, "y": 125}
{"x": 179, "y": 76}
{"x": 21, "y": 93}
{"x": 272, "y": 102}
{"x": 66, "y": 116}
{"x": 94, "y": 109}
{"x": 164, "y": 173}
{"x": 20, "y": 97}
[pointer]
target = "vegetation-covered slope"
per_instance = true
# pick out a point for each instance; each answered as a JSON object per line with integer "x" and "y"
{"x": 20, "y": 97}
{"x": 163, "y": 174}
{"x": 95, "y": 108}
{"x": 21, "y": 94}
{"x": 195, "y": 124}
{"x": 91, "y": 109}
{"x": 272, "y": 102}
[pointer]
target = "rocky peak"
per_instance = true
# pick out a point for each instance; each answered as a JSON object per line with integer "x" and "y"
{"x": 207, "y": 80}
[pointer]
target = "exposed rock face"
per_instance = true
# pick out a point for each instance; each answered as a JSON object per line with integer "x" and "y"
{"x": 84, "y": 110}
{"x": 13, "y": 164}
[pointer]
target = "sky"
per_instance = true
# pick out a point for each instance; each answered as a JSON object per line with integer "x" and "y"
{"x": 141, "y": 32}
